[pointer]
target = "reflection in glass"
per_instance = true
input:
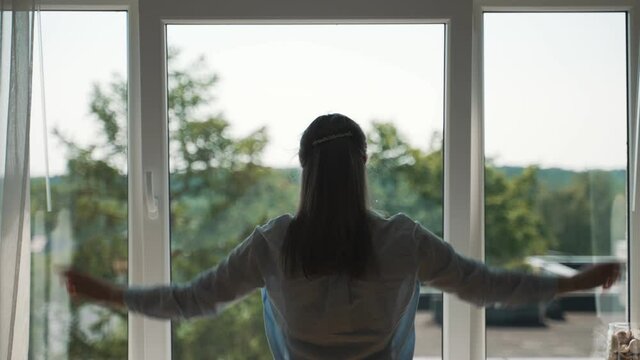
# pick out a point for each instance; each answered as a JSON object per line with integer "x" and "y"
{"x": 555, "y": 175}
{"x": 239, "y": 98}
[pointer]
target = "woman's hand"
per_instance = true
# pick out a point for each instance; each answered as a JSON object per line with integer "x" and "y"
{"x": 84, "y": 286}
{"x": 604, "y": 275}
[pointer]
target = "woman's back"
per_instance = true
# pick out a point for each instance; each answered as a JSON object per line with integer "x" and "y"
{"x": 355, "y": 317}
{"x": 341, "y": 317}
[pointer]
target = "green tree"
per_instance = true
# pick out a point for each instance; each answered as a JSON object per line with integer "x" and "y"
{"x": 404, "y": 178}
{"x": 514, "y": 228}
{"x": 93, "y": 192}
{"x": 212, "y": 175}
{"x": 579, "y": 215}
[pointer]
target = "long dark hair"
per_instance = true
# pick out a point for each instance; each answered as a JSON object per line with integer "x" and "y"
{"x": 330, "y": 233}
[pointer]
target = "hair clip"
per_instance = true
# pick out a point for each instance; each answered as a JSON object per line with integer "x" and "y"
{"x": 330, "y": 137}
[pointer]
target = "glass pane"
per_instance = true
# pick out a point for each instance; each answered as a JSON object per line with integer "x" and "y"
{"x": 555, "y": 175}
{"x": 240, "y": 97}
{"x": 85, "y": 67}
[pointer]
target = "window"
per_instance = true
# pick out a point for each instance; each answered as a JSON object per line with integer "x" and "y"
{"x": 556, "y": 171}
{"x": 402, "y": 77}
{"x": 87, "y": 227}
{"x": 234, "y": 166}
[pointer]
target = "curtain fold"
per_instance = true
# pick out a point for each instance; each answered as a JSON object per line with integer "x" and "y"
{"x": 16, "y": 54}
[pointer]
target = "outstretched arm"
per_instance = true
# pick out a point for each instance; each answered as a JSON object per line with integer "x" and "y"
{"x": 442, "y": 267}
{"x": 233, "y": 278}
{"x": 84, "y": 286}
{"x": 604, "y": 275}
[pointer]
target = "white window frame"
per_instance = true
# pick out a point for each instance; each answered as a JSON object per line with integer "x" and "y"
{"x": 630, "y": 7}
{"x": 154, "y": 16}
{"x": 464, "y": 325}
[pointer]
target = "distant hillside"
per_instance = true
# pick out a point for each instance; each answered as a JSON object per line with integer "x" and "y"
{"x": 556, "y": 178}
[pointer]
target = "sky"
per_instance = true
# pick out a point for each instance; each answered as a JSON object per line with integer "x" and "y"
{"x": 555, "y": 87}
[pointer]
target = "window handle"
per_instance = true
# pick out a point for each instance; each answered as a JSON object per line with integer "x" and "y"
{"x": 150, "y": 197}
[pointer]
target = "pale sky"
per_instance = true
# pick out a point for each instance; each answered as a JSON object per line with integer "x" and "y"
{"x": 555, "y": 83}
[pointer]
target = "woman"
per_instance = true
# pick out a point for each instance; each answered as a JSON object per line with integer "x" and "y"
{"x": 338, "y": 280}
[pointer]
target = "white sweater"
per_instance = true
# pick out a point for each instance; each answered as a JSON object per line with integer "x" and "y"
{"x": 334, "y": 317}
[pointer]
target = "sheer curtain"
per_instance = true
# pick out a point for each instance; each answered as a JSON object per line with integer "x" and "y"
{"x": 16, "y": 44}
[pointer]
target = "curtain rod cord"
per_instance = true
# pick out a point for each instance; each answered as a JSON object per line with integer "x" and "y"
{"x": 45, "y": 135}
{"x": 636, "y": 144}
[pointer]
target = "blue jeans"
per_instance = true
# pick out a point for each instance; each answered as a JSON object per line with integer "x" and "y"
{"x": 402, "y": 343}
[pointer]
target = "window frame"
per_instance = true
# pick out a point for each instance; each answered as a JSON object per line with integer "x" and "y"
{"x": 457, "y": 314}
{"x": 137, "y": 325}
{"x": 463, "y": 325}
{"x": 633, "y": 111}
{"x": 633, "y": 59}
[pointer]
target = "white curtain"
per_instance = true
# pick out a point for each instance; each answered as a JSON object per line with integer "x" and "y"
{"x": 16, "y": 44}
